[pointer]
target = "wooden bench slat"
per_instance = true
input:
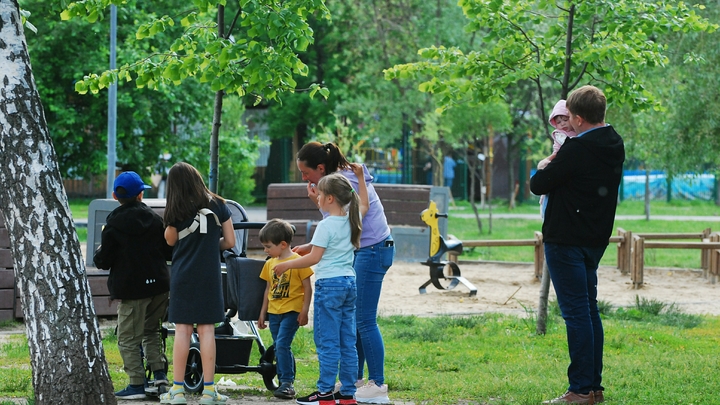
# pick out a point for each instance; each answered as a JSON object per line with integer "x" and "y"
{"x": 403, "y": 203}
{"x": 6, "y": 260}
{"x": 7, "y": 278}
{"x": 4, "y": 238}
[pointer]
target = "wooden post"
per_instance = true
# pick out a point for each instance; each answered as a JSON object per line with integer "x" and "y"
{"x": 620, "y": 250}
{"x": 714, "y": 258}
{"x": 705, "y": 253}
{"x": 628, "y": 253}
{"x": 638, "y": 261}
{"x": 539, "y": 255}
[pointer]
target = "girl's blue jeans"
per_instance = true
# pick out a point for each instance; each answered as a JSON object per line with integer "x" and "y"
{"x": 334, "y": 332}
{"x": 283, "y": 328}
{"x": 573, "y": 271}
{"x": 371, "y": 264}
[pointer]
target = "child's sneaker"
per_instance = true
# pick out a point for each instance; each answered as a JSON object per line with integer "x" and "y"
{"x": 359, "y": 383}
{"x": 131, "y": 392}
{"x": 212, "y": 397}
{"x": 371, "y": 393}
{"x": 174, "y": 396}
{"x": 341, "y": 399}
{"x": 160, "y": 378}
{"x": 285, "y": 391}
{"x": 318, "y": 398}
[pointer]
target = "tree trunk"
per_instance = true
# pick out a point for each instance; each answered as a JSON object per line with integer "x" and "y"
{"x": 217, "y": 118}
{"x": 472, "y": 166}
{"x": 647, "y": 194}
{"x": 66, "y": 352}
{"x": 541, "y": 326}
{"x": 489, "y": 176}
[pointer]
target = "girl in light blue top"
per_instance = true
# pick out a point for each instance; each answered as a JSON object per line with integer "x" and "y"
{"x": 372, "y": 262}
{"x": 333, "y": 245}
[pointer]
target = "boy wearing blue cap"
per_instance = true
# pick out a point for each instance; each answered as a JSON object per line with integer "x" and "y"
{"x": 133, "y": 248}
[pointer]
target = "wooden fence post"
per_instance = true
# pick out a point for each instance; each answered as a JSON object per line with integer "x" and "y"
{"x": 714, "y": 258}
{"x": 638, "y": 261}
{"x": 624, "y": 251}
{"x": 539, "y": 255}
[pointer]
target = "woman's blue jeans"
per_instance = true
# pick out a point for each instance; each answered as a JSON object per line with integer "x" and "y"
{"x": 334, "y": 332}
{"x": 283, "y": 328}
{"x": 371, "y": 264}
{"x": 573, "y": 271}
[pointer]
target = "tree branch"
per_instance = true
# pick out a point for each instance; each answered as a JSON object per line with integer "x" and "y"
{"x": 232, "y": 26}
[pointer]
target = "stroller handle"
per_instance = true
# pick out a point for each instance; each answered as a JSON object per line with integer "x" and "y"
{"x": 248, "y": 225}
{"x": 254, "y": 225}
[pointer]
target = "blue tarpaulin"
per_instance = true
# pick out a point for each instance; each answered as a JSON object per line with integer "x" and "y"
{"x": 682, "y": 187}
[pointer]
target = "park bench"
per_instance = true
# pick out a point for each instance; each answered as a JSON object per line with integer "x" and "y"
{"x": 7, "y": 275}
{"x": 403, "y": 204}
{"x": 10, "y": 306}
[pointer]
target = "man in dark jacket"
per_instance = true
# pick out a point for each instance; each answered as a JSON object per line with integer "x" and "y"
{"x": 133, "y": 248}
{"x": 582, "y": 187}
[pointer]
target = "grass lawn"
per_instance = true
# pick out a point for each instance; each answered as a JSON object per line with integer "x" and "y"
{"x": 653, "y": 355}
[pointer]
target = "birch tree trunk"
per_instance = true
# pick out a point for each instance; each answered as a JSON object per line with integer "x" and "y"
{"x": 66, "y": 352}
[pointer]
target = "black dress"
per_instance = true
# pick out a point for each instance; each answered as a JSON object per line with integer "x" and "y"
{"x": 195, "y": 280}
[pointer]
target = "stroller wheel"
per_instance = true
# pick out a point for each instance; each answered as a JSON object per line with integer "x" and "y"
{"x": 268, "y": 369}
{"x": 193, "y": 370}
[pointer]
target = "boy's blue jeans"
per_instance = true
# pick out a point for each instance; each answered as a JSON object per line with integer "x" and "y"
{"x": 573, "y": 271}
{"x": 371, "y": 264}
{"x": 334, "y": 332}
{"x": 282, "y": 329}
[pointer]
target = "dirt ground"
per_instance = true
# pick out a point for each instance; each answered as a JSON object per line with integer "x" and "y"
{"x": 512, "y": 288}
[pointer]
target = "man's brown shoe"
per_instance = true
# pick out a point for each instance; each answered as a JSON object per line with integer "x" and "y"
{"x": 599, "y": 396}
{"x": 573, "y": 398}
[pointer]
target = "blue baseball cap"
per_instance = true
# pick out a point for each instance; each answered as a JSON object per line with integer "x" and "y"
{"x": 131, "y": 183}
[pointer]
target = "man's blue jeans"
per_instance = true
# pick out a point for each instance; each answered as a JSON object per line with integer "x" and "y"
{"x": 334, "y": 332}
{"x": 283, "y": 328}
{"x": 573, "y": 271}
{"x": 371, "y": 264}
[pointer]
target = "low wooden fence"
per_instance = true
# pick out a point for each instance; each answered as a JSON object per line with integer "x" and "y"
{"x": 709, "y": 249}
{"x": 536, "y": 243}
{"x": 630, "y": 250}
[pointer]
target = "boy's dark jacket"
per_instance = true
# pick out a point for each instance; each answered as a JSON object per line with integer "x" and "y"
{"x": 134, "y": 250}
{"x": 582, "y": 186}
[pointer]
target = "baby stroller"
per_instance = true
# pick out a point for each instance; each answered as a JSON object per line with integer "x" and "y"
{"x": 243, "y": 291}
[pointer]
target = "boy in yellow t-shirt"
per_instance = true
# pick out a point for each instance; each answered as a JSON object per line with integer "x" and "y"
{"x": 286, "y": 301}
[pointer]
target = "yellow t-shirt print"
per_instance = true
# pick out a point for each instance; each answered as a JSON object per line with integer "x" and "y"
{"x": 280, "y": 286}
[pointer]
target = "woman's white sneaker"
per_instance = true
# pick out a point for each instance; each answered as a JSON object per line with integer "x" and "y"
{"x": 358, "y": 384}
{"x": 371, "y": 393}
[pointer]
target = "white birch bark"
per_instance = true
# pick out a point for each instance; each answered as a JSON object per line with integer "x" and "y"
{"x": 66, "y": 352}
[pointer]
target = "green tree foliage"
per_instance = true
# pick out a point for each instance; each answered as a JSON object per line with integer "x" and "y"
{"x": 148, "y": 120}
{"x": 556, "y": 44}
{"x": 349, "y": 56}
{"x": 683, "y": 135}
{"x": 256, "y": 55}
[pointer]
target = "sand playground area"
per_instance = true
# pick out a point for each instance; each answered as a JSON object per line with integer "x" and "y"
{"x": 511, "y": 288}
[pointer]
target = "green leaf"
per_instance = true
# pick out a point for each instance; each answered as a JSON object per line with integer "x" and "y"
{"x": 302, "y": 44}
{"x": 81, "y": 87}
{"x": 93, "y": 16}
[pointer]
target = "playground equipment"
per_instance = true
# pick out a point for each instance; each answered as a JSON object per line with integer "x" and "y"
{"x": 442, "y": 271}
